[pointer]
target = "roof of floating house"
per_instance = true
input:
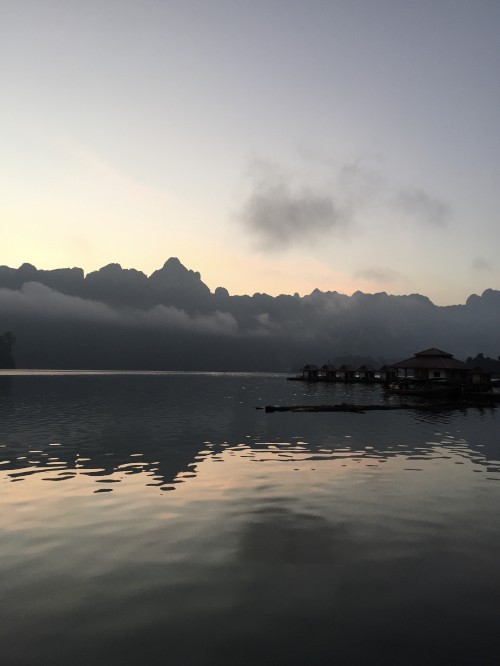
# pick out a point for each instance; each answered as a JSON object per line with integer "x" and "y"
{"x": 310, "y": 366}
{"x": 328, "y": 366}
{"x": 433, "y": 358}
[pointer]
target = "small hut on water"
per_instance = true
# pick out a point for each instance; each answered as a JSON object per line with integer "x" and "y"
{"x": 365, "y": 373}
{"x": 346, "y": 373}
{"x": 310, "y": 372}
{"x": 328, "y": 372}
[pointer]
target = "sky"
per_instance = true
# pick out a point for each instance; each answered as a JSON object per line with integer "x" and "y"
{"x": 275, "y": 146}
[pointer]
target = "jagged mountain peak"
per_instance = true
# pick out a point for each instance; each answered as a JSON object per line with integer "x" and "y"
{"x": 174, "y": 275}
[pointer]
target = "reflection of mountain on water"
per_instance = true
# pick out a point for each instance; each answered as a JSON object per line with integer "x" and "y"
{"x": 163, "y": 426}
{"x": 99, "y": 426}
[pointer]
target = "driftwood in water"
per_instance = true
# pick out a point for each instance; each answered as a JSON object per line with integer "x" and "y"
{"x": 361, "y": 409}
{"x": 344, "y": 407}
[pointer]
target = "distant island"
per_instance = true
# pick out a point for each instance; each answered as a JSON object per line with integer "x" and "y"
{"x": 120, "y": 318}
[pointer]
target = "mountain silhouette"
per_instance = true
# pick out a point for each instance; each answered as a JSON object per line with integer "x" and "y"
{"x": 123, "y": 319}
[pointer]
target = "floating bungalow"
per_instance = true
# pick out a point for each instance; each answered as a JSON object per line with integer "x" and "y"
{"x": 434, "y": 374}
{"x": 427, "y": 371}
{"x": 328, "y": 372}
{"x": 433, "y": 364}
{"x": 310, "y": 373}
{"x": 365, "y": 374}
{"x": 344, "y": 373}
{"x": 434, "y": 370}
{"x": 388, "y": 373}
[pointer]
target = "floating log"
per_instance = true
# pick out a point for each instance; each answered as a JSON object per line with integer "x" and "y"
{"x": 361, "y": 409}
{"x": 343, "y": 407}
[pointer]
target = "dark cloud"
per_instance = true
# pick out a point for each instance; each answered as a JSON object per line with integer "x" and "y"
{"x": 376, "y": 274}
{"x": 283, "y": 209}
{"x": 422, "y": 206}
{"x": 280, "y": 212}
{"x": 481, "y": 264}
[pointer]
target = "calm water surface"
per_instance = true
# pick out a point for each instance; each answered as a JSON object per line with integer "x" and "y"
{"x": 162, "y": 518}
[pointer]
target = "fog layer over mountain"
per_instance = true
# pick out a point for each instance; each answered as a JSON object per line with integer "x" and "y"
{"x": 122, "y": 319}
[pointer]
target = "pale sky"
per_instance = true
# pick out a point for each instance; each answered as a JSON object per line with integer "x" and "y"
{"x": 274, "y": 146}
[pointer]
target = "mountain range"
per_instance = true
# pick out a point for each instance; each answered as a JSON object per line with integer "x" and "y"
{"x": 118, "y": 318}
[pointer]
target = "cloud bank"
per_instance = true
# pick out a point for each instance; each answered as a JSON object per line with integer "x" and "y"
{"x": 41, "y": 302}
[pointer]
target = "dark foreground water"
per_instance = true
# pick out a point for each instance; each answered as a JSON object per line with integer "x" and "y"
{"x": 160, "y": 518}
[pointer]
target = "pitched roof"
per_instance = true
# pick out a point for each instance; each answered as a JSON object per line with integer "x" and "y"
{"x": 433, "y": 351}
{"x": 433, "y": 358}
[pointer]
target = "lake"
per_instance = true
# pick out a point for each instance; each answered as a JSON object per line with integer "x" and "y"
{"x": 160, "y": 517}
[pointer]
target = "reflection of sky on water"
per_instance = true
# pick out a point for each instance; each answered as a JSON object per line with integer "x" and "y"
{"x": 289, "y": 538}
{"x": 160, "y": 426}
